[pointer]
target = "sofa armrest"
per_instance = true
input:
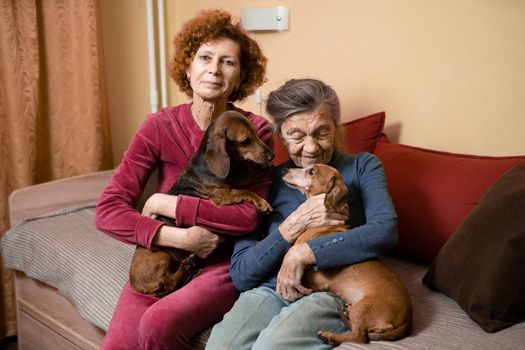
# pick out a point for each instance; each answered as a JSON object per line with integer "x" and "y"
{"x": 35, "y": 200}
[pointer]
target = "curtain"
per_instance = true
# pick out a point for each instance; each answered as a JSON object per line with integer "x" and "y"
{"x": 53, "y": 109}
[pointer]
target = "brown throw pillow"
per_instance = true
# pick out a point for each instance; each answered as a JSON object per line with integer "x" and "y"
{"x": 482, "y": 265}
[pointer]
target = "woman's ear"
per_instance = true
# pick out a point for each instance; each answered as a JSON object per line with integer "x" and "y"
{"x": 216, "y": 157}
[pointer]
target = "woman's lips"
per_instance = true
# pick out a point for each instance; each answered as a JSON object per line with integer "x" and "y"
{"x": 212, "y": 84}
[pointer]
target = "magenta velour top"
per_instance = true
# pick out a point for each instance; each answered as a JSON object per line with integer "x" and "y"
{"x": 167, "y": 140}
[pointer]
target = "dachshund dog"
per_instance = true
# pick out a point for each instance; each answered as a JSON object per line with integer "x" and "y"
{"x": 224, "y": 164}
{"x": 377, "y": 304}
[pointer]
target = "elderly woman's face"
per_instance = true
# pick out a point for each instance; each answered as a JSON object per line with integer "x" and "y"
{"x": 309, "y": 137}
{"x": 215, "y": 70}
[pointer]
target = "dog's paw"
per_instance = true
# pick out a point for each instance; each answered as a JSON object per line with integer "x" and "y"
{"x": 323, "y": 336}
{"x": 326, "y": 337}
{"x": 263, "y": 206}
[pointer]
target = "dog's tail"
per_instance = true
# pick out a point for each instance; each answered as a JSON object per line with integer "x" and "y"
{"x": 395, "y": 334}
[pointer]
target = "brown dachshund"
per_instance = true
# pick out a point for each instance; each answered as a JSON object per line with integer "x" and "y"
{"x": 377, "y": 303}
{"x": 224, "y": 164}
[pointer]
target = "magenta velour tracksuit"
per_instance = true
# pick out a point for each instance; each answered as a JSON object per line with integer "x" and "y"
{"x": 167, "y": 140}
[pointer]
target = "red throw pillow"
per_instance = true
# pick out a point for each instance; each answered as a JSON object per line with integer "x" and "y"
{"x": 361, "y": 135}
{"x": 434, "y": 191}
{"x": 281, "y": 153}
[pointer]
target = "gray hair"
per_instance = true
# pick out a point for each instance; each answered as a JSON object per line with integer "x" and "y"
{"x": 302, "y": 96}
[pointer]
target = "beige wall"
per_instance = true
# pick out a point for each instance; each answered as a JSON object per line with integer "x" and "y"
{"x": 124, "y": 35}
{"x": 450, "y": 74}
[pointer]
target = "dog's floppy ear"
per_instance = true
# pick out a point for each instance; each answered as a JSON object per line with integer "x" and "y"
{"x": 216, "y": 157}
{"x": 337, "y": 197}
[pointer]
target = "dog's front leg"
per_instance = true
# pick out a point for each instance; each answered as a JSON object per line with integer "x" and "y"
{"x": 233, "y": 196}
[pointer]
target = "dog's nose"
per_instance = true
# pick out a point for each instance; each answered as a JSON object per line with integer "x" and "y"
{"x": 270, "y": 156}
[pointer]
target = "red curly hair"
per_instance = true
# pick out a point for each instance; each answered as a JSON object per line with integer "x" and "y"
{"x": 208, "y": 26}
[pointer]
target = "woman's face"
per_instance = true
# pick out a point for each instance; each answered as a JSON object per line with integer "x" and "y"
{"x": 215, "y": 70}
{"x": 309, "y": 137}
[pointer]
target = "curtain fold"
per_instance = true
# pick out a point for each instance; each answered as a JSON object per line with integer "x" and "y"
{"x": 53, "y": 110}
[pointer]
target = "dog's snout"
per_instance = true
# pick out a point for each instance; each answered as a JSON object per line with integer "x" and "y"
{"x": 270, "y": 156}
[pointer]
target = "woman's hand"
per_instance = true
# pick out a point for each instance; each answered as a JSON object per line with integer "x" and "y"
{"x": 195, "y": 239}
{"x": 289, "y": 278}
{"x": 160, "y": 204}
{"x": 200, "y": 241}
{"x": 312, "y": 213}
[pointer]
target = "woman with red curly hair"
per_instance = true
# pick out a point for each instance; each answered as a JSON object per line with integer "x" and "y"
{"x": 215, "y": 63}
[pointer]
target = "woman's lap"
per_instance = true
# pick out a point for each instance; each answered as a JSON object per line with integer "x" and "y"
{"x": 241, "y": 326}
{"x": 147, "y": 322}
{"x": 261, "y": 320}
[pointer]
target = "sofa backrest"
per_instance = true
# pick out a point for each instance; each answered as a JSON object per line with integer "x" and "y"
{"x": 434, "y": 191}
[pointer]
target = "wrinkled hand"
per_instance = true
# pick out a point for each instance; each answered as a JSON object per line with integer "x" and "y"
{"x": 160, "y": 204}
{"x": 312, "y": 213}
{"x": 200, "y": 241}
{"x": 289, "y": 278}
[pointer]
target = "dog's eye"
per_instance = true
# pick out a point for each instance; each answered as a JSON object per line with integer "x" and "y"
{"x": 245, "y": 142}
{"x": 311, "y": 172}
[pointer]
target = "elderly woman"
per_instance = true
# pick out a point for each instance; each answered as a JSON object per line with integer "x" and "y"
{"x": 215, "y": 63}
{"x": 276, "y": 311}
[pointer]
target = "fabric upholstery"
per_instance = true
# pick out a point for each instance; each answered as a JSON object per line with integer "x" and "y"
{"x": 64, "y": 249}
{"x": 362, "y": 135}
{"x": 433, "y": 191}
{"x": 482, "y": 266}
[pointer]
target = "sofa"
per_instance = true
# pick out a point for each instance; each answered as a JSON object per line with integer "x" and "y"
{"x": 461, "y": 250}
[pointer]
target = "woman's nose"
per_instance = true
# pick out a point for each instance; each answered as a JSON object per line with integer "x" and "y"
{"x": 213, "y": 67}
{"x": 310, "y": 144}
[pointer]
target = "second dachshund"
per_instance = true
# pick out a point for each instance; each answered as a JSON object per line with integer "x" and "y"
{"x": 377, "y": 303}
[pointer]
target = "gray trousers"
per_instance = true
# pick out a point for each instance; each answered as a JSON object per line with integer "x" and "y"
{"x": 261, "y": 320}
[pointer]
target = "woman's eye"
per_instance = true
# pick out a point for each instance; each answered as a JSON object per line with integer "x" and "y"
{"x": 204, "y": 57}
{"x": 229, "y": 62}
{"x": 297, "y": 138}
{"x": 323, "y": 135}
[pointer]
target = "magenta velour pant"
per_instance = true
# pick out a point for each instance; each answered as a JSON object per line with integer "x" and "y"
{"x": 146, "y": 322}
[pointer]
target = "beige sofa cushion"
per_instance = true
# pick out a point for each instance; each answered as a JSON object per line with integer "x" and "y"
{"x": 64, "y": 249}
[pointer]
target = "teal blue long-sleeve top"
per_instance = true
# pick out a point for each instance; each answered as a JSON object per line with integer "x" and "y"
{"x": 373, "y": 232}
